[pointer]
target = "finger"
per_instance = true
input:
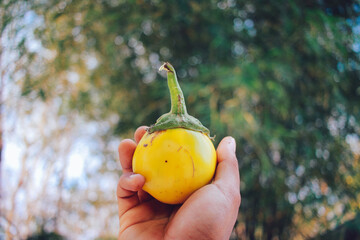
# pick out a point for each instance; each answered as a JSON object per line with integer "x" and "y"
{"x": 144, "y": 196}
{"x": 227, "y": 172}
{"x": 127, "y": 191}
{"x": 139, "y": 133}
{"x": 126, "y": 151}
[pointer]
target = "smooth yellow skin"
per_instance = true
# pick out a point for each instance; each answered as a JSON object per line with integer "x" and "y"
{"x": 175, "y": 163}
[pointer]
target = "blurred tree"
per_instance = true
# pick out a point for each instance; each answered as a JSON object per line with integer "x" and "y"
{"x": 348, "y": 231}
{"x": 7, "y": 17}
{"x": 282, "y": 77}
{"x": 44, "y": 235}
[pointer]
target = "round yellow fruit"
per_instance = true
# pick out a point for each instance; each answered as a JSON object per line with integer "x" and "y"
{"x": 175, "y": 163}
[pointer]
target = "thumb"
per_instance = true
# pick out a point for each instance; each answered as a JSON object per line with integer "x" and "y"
{"x": 227, "y": 175}
{"x": 226, "y": 149}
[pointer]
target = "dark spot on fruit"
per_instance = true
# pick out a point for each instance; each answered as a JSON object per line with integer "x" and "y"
{"x": 166, "y": 161}
{"x": 145, "y": 145}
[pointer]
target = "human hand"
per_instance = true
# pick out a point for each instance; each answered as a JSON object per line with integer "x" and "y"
{"x": 209, "y": 213}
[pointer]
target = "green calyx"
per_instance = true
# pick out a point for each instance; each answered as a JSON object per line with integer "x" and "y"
{"x": 178, "y": 116}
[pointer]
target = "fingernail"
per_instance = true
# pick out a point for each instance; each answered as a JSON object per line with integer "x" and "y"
{"x": 232, "y": 144}
{"x": 134, "y": 175}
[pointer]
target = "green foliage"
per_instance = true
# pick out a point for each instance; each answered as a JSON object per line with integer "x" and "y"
{"x": 282, "y": 77}
{"x": 347, "y": 231}
{"x": 44, "y": 235}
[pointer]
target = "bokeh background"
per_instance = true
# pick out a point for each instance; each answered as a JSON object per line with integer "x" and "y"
{"x": 282, "y": 77}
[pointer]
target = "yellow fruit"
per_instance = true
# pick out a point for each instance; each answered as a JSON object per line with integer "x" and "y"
{"x": 176, "y": 155}
{"x": 175, "y": 163}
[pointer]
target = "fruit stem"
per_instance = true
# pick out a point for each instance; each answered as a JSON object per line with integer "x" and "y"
{"x": 178, "y": 116}
{"x": 178, "y": 105}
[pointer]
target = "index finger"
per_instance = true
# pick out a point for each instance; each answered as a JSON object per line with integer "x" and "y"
{"x": 127, "y": 147}
{"x": 139, "y": 133}
{"x": 126, "y": 151}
